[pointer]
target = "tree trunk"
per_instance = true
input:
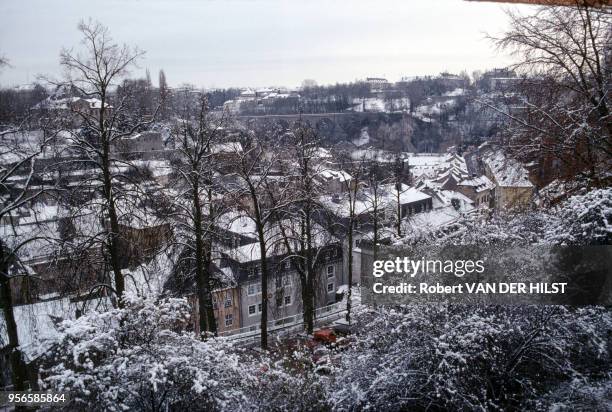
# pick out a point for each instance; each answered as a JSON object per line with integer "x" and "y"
{"x": 18, "y": 367}
{"x": 310, "y": 274}
{"x": 113, "y": 236}
{"x": 113, "y": 249}
{"x": 399, "y": 210}
{"x": 259, "y": 223}
{"x": 306, "y": 314}
{"x": 375, "y": 238}
{"x": 264, "y": 289}
{"x": 205, "y": 310}
{"x": 350, "y": 270}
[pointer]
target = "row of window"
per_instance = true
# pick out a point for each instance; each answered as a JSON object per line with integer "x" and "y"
{"x": 280, "y": 302}
{"x": 255, "y": 271}
{"x": 226, "y": 304}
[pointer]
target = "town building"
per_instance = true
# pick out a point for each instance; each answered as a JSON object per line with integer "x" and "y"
{"x": 513, "y": 189}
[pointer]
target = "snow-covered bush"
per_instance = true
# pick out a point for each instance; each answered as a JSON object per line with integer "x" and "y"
{"x": 138, "y": 358}
{"x": 467, "y": 358}
{"x": 289, "y": 382}
{"x": 582, "y": 219}
{"x": 142, "y": 358}
{"x": 585, "y": 219}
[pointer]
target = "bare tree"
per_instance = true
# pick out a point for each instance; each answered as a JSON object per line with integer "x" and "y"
{"x": 254, "y": 174}
{"x": 20, "y": 158}
{"x": 298, "y": 229}
{"x": 374, "y": 197}
{"x": 564, "y": 56}
{"x": 356, "y": 168}
{"x": 93, "y": 74}
{"x": 398, "y": 173}
{"x": 195, "y": 135}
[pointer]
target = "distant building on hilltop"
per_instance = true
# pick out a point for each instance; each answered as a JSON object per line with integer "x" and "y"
{"x": 377, "y": 84}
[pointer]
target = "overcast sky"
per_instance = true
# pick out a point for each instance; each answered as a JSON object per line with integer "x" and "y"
{"x": 219, "y": 43}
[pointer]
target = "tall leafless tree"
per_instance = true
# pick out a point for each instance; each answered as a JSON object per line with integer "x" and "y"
{"x": 255, "y": 181}
{"x": 195, "y": 135}
{"x": 93, "y": 130}
{"x": 297, "y": 224}
{"x": 352, "y": 190}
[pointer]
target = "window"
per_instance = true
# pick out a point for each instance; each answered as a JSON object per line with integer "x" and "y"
{"x": 254, "y": 272}
{"x": 278, "y": 282}
{"x": 287, "y": 300}
{"x": 287, "y": 280}
{"x": 330, "y": 287}
{"x": 215, "y": 306}
{"x": 229, "y": 319}
{"x": 253, "y": 289}
{"x": 287, "y": 264}
{"x": 251, "y": 310}
{"x": 330, "y": 271}
{"x": 228, "y": 301}
{"x": 259, "y": 307}
{"x": 279, "y": 301}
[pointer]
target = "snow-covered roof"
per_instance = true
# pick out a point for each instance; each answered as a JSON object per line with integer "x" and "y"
{"x": 448, "y": 195}
{"x": 237, "y": 222}
{"x": 479, "y": 184}
{"x": 137, "y": 136}
{"x": 506, "y": 171}
{"x": 275, "y": 242}
{"x": 330, "y": 174}
{"x": 407, "y": 194}
{"x": 322, "y": 153}
{"x": 435, "y": 165}
{"x": 339, "y": 204}
{"x": 64, "y": 103}
{"x": 434, "y": 219}
{"x": 228, "y": 147}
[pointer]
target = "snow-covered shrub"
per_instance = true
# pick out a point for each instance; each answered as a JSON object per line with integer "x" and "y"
{"x": 289, "y": 382}
{"x": 585, "y": 219}
{"x": 466, "y": 358}
{"x": 138, "y": 358}
{"x": 141, "y": 358}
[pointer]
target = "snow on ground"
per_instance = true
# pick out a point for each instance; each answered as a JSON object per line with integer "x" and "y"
{"x": 457, "y": 92}
{"x": 376, "y": 104}
{"x": 426, "y": 112}
{"x": 370, "y": 104}
{"x": 363, "y": 139}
